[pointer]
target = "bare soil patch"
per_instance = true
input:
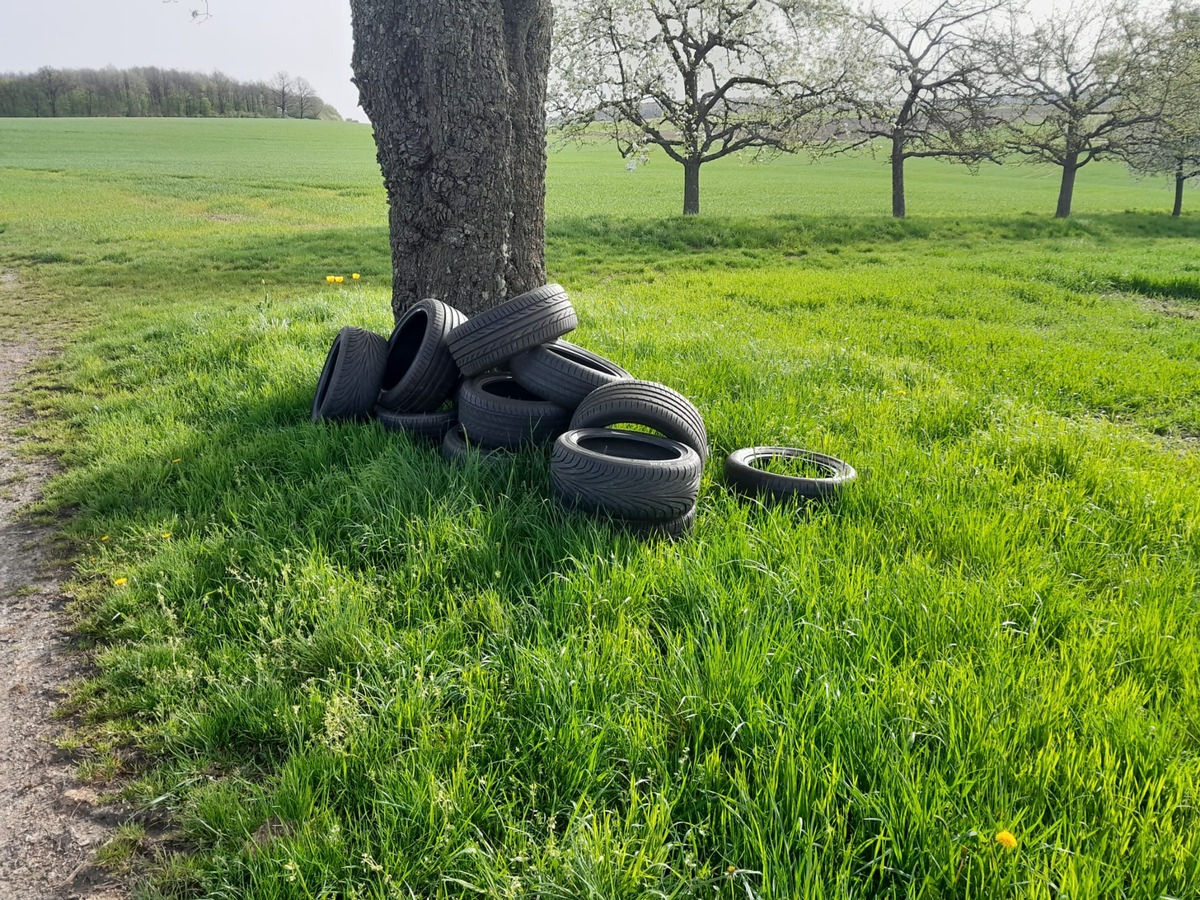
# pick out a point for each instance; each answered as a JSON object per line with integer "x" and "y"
{"x": 50, "y": 824}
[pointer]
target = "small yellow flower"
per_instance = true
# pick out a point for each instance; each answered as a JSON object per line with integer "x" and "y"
{"x": 1006, "y": 840}
{"x": 339, "y": 279}
{"x": 166, "y": 534}
{"x": 329, "y": 279}
{"x": 355, "y": 276}
{"x": 120, "y": 581}
{"x": 105, "y": 538}
{"x": 731, "y": 870}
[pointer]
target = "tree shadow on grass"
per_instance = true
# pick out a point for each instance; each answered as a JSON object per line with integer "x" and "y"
{"x": 684, "y": 234}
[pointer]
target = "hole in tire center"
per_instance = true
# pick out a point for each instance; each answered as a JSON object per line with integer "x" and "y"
{"x": 509, "y": 390}
{"x": 573, "y": 354}
{"x": 403, "y": 348}
{"x": 628, "y": 448}
{"x": 792, "y": 467}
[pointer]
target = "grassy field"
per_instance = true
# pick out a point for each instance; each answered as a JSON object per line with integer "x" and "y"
{"x": 344, "y": 669}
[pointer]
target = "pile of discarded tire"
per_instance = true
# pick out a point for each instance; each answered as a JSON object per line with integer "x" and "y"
{"x": 504, "y": 380}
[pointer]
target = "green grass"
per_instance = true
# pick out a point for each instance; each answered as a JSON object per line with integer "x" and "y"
{"x": 348, "y": 670}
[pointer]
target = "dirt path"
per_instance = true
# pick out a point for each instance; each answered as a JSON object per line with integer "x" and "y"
{"x": 49, "y": 826}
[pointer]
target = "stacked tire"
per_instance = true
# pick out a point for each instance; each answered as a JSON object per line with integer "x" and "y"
{"x": 505, "y": 380}
{"x": 647, "y": 482}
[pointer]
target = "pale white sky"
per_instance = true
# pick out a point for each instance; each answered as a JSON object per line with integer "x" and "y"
{"x": 246, "y": 39}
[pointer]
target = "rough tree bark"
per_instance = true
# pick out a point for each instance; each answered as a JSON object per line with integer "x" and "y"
{"x": 455, "y": 90}
{"x": 898, "y": 199}
{"x": 1066, "y": 188}
{"x": 691, "y": 187}
{"x": 1180, "y": 178}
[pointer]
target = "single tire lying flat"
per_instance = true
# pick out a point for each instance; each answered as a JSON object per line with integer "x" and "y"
{"x": 634, "y": 402}
{"x": 432, "y": 425}
{"x": 625, "y": 474}
{"x": 495, "y": 411}
{"x": 564, "y": 372}
{"x": 420, "y": 373}
{"x": 349, "y": 381}
{"x": 499, "y": 334}
{"x": 457, "y": 449}
{"x": 743, "y": 471}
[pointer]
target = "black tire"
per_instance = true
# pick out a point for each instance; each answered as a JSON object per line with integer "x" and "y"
{"x": 495, "y": 411}
{"x": 669, "y": 528}
{"x": 564, "y": 372}
{"x": 499, "y": 334}
{"x": 743, "y": 474}
{"x": 349, "y": 381}
{"x": 672, "y": 528}
{"x": 647, "y": 403}
{"x": 457, "y": 449}
{"x": 420, "y": 373}
{"x": 432, "y": 425}
{"x": 625, "y": 474}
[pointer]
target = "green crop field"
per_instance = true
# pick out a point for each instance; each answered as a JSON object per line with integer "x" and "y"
{"x": 330, "y": 665}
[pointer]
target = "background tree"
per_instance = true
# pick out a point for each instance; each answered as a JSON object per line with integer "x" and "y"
{"x": 456, "y": 90}
{"x": 923, "y": 86}
{"x": 53, "y": 84}
{"x": 1083, "y": 79}
{"x": 282, "y": 86}
{"x": 700, "y": 79}
{"x": 307, "y": 103}
{"x": 1171, "y": 143}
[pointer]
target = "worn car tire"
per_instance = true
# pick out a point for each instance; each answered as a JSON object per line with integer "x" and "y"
{"x": 742, "y": 472}
{"x": 349, "y": 381}
{"x": 457, "y": 449}
{"x": 633, "y": 402}
{"x": 420, "y": 373}
{"x": 496, "y": 411}
{"x": 499, "y": 334}
{"x": 671, "y": 528}
{"x": 564, "y": 372}
{"x": 625, "y": 474}
{"x": 431, "y": 425}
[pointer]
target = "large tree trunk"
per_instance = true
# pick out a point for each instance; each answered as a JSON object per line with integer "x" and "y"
{"x": 455, "y": 90}
{"x": 1179, "y": 180}
{"x": 1066, "y": 190}
{"x": 898, "y": 210}
{"x": 691, "y": 187}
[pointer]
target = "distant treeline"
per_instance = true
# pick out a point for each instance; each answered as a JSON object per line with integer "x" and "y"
{"x": 151, "y": 91}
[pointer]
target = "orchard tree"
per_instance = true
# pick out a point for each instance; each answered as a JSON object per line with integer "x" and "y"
{"x": 1083, "y": 77}
{"x": 1171, "y": 143}
{"x": 700, "y": 79}
{"x": 456, "y": 92}
{"x": 923, "y": 85}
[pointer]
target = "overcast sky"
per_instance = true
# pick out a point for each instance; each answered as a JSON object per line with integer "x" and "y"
{"x": 247, "y": 39}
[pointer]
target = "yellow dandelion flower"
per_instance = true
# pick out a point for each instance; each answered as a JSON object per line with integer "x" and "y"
{"x": 120, "y": 581}
{"x": 166, "y": 534}
{"x": 339, "y": 279}
{"x": 329, "y": 279}
{"x": 1006, "y": 840}
{"x": 731, "y": 870}
{"x": 355, "y": 276}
